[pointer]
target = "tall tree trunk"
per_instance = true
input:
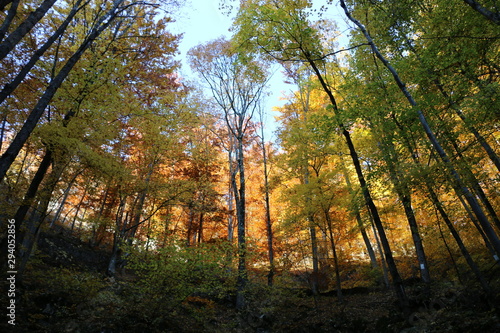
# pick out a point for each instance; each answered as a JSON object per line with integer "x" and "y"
{"x": 458, "y": 239}
{"x": 200, "y": 228}
{"x": 381, "y": 252}
{"x": 33, "y": 190}
{"x": 96, "y": 230}
{"x": 478, "y": 190}
{"x": 78, "y": 207}
{"x": 269, "y": 227}
{"x": 65, "y": 197}
{"x": 315, "y": 260}
{"x": 2, "y": 131}
{"x": 27, "y": 202}
{"x": 437, "y": 204}
{"x": 454, "y": 263}
{"x": 39, "y": 213}
{"x": 231, "y": 191}
{"x": 240, "y": 214}
{"x": 117, "y": 238}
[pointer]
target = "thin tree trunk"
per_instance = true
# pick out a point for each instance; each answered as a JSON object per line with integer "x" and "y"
{"x": 78, "y": 209}
{"x": 381, "y": 252}
{"x": 232, "y": 190}
{"x": 335, "y": 258}
{"x": 404, "y": 195}
{"x": 96, "y": 230}
{"x": 454, "y": 263}
{"x": 314, "y": 246}
{"x": 437, "y": 204}
{"x": 458, "y": 239}
{"x": 117, "y": 238}
{"x": 27, "y": 202}
{"x": 2, "y": 132}
{"x": 471, "y": 178}
{"x": 32, "y": 190}
{"x": 40, "y": 212}
{"x": 200, "y": 228}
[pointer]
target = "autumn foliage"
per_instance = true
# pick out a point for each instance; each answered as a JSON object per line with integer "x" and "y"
{"x": 384, "y": 170}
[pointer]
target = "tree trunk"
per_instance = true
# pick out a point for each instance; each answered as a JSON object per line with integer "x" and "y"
{"x": 15, "y": 37}
{"x": 381, "y": 252}
{"x": 338, "y": 284}
{"x": 65, "y": 197}
{"x": 240, "y": 214}
{"x": 269, "y": 228}
{"x": 39, "y": 213}
{"x": 33, "y": 190}
{"x": 448, "y": 249}
{"x": 9, "y": 17}
{"x": 437, "y": 204}
{"x": 359, "y": 221}
{"x": 78, "y": 207}
{"x": 458, "y": 239}
{"x": 493, "y": 17}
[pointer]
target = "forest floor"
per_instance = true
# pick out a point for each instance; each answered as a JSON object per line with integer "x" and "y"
{"x": 65, "y": 290}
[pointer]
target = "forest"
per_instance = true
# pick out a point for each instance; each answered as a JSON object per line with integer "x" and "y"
{"x": 134, "y": 199}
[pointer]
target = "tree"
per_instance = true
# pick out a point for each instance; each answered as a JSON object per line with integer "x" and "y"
{"x": 237, "y": 84}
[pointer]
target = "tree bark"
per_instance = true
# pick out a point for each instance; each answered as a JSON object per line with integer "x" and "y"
{"x": 338, "y": 283}
{"x": 359, "y": 221}
{"x": 240, "y": 215}
{"x": 15, "y": 37}
{"x": 493, "y": 17}
{"x": 10, "y": 15}
{"x": 269, "y": 227}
